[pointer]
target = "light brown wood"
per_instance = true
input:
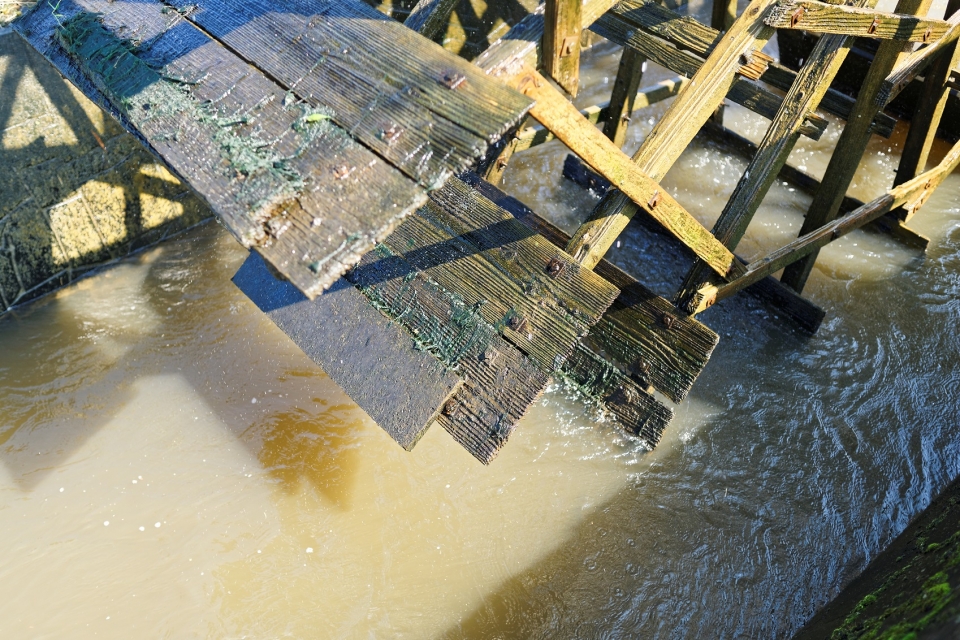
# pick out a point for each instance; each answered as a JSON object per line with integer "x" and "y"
{"x": 561, "y": 42}
{"x": 821, "y": 17}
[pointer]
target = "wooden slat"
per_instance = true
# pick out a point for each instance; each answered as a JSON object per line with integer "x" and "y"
{"x": 561, "y": 42}
{"x": 428, "y": 17}
{"x": 562, "y": 118}
{"x": 623, "y": 97}
{"x": 821, "y": 17}
{"x": 912, "y": 195}
{"x": 426, "y": 111}
{"x": 849, "y": 149}
{"x": 399, "y": 387}
{"x": 671, "y": 135}
{"x": 777, "y": 144}
{"x": 688, "y": 34}
{"x": 633, "y": 334}
{"x": 239, "y": 117}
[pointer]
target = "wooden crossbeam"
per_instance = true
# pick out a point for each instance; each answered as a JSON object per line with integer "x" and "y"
{"x": 688, "y": 34}
{"x": 778, "y": 141}
{"x": 849, "y": 149}
{"x": 911, "y": 195}
{"x": 557, "y": 114}
{"x": 913, "y": 64}
{"x": 821, "y": 17}
{"x": 428, "y": 17}
{"x": 670, "y": 136}
{"x": 561, "y": 42}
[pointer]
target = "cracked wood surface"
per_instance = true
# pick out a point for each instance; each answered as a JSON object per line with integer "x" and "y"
{"x": 820, "y": 17}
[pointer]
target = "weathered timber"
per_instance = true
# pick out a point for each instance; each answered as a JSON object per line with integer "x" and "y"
{"x": 913, "y": 64}
{"x": 672, "y": 134}
{"x": 268, "y": 167}
{"x": 723, "y": 14}
{"x": 929, "y": 111}
{"x": 688, "y": 34}
{"x": 804, "y": 313}
{"x": 427, "y": 112}
{"x": 623, "y": 97}
{"x": 910, "y": 195}
{"x": 561, "y": 42}
{"x": 742, "y": 90}
{"x": 808, "y": 184}
{"x": 777, "y": 144}
{"x": 821, "y": 17}
{"x": 499, "y": 382}
{"x": 428, "y": 17}
{"x": 537, "y": 135}
{"x": 562, "y": 118}
{"x": 849, "y": 149}
{"x": 633, "y": 334}
{"x": 398, "y": 386}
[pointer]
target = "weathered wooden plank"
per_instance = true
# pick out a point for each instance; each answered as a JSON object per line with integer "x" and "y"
{"x": 623, "y": 97}
{"x": 913, "y": 64}
{"x": 562, "y": 118}
{"x": 266, "y": 170}
{"x": 372, "y": 359}
{"x": 688, "y": 34}
{"x": 772, "y": 152}
{"x": 849, "y": 149}
{"x": 724, "y": 14}
{"x": 428, "y": 17}
{"x": 633, "y": 335}
{"x": 821, "y": 17}
{"x": 911, "y": 195}
{"x": 742, "y": 91}
{"x": 427, "y": 112}
{"x": 561, "y": 42}
{"x": 671, "y": 135}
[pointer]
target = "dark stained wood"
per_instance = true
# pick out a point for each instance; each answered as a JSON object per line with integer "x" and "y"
{"x": 399, "y": 387}
{"x": 821, "y": 17}
{"x": 561, "y": 42}
{"x": 428, "y": 17}
{"x": 623, "y": 97}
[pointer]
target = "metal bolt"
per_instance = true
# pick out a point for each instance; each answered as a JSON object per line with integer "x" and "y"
{"x": 390, "y": 134}
{"x": 342, "y": 172}
{"x": 668, "y": 321}
{"x": 555, "y": 267}
{"x": 489, "y": 357}
{"x": 517, "y": 323}
{"x": 450, "y": 408}
{"x": 654, "y": 200}
{"x": 926, "y": 35}
{"x": 797, "y": 16}
{"x": 873, "y": 25}
{"x": 452, "y": 79}
{"x": 567, "y": 47}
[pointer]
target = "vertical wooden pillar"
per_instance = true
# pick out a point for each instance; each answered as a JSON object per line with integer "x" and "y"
{"x": 624, "y": 96}
{"x": 561, "y": 42}
{"x": 724, "y": 13}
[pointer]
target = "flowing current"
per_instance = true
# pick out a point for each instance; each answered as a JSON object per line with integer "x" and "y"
{"x": 171, "y": 466}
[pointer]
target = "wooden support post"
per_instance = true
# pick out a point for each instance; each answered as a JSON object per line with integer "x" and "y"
{"x": 430, "y": 16}
{"x": 849, "y": 150}
{"x": 556, "y": 113}
{"x": 494, "y": 172}
{"x": 911, "y": 194}
{"x": 561, "y": 42}
{"x": 811, "y": 84}
{"x": 623, "y": 96}
{"x": 724, "y": 14}
{"x": 675, "y": 130}
{"x": 820, "y": 17}
{"x": 926, "y": 117}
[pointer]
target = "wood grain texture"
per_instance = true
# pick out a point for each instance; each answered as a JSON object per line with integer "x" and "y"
{"x": 562, "y": 118}
{"x": 623, "y": 97}
{"x": 821, "y": 17}
{"x": 429, "y": 17}
{"x": 398, "y": 386}
{"x": 911, "y": 65}
{"x": 561, "y": 42}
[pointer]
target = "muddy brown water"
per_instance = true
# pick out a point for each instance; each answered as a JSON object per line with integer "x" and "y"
{"x": 171, "y": 466}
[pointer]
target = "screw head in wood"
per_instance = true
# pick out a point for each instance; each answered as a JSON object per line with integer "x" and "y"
{"x": 873, "y": 26}
{"x": 797, "y": 16}
{"x": 654, "y": 200}
{"x": 555, "y": 267}
{"x": 390, "y": 133}
{"x": 451, "y": 407}
{"x": 452, "y": 79}
{"x": 668, "y": 321}
{"x": 517, "y": 322}
{"x": 926, "y": 35}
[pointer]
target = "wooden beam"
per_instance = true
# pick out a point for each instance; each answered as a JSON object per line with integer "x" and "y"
{"x": 913, "y": 64}
{"x": 778, "y": 141}
{"x": 561, "y": 42}
{"x": 911, "y": 194}
{"x": 557, "y": 114}
{"x": 692, "y": 108}
{"x": 850, "y": 148}
{"x": 429, "y": 17}
{"x": 623, "y": 96}
{"x": 821, "y": 17}
{"x": 724, "y": 14}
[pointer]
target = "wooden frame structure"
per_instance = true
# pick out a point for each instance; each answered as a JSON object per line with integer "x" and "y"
{"x": 347, "y": 168}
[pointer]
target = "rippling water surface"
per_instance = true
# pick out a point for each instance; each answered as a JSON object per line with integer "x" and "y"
{"x": 172, "y": 466}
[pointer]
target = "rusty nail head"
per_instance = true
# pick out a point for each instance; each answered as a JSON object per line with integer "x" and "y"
{"x": 642, "y": 366}
{"x": 668, "y": 321}
{"x": 654, "y": 200}
{"x": 555, "y": 267}
{"x": 797, "y": 16}
{"x": 341, "y": 172}
{"x": 874, "y": 25}
{"x": 390, "y": 133}
{"x": 567, "y": 47}
{"x": 526, "y": 83}
{"x": 452, "y": 79}
{"x": 517, "y": 323}
{"x": 450, "y": 407}
{"x": 926, "y": 35}
{"x": 501, "y": 163}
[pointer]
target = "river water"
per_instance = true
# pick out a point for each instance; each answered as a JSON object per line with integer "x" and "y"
{"x": 171, "y": 466}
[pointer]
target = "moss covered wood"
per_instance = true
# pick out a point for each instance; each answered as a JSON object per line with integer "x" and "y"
{"x": 821, "y": 17}
{"x": 849, "y": 149}
{"x": 624, "y": 96}
{"x": 561, "y": 42}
